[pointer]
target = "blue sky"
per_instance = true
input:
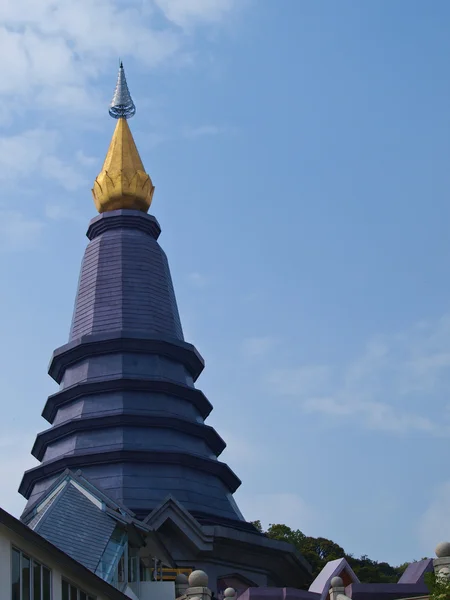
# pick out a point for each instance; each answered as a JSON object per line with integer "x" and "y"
{"x": 300, "y": 154}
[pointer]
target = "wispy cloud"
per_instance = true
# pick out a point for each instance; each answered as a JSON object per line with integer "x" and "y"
{"x": 86, "y": 161}
{"x": 385, "y": 387}
{"x": 34, "y": 152}
{"x": 271, "y": 508}
{"x": 57, "y": 53}
{"x": 192, "y": 12}
{"x": 305, "y": 379}
{"x": 241, "y": 450}
{"x": 255, "y": 347}
{"x": 434, "y": 525}
{"x": 197, "y": 279}
{"x": 206, "y": 130}
{"x": 62, "y": 212}
{"x": 63, "y": 173}
{"x": 18, "y": 232}
{"x": 44, "y": 42}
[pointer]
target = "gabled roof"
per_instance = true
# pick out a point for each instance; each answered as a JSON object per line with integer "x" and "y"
{"x": 79, "y": 518}
{"x": 222, "y": 543}
{"x": 68, "y": 565}
{"x": 415, "y": 571}
{"x": 77, "y": 526}
{"x": 172, "y": 510}
{"x": 334, "y": 568}
{"x": 79, "y": 478}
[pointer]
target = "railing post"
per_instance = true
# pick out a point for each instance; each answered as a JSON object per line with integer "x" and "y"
{"x": 441, "y": 564}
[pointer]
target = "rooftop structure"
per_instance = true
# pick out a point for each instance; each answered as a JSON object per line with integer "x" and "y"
{"x": 30, "y": 562}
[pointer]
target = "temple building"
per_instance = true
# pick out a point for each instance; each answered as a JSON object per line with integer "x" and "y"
{"x": 129, "y": 482}
{"x": 130, "y": 492}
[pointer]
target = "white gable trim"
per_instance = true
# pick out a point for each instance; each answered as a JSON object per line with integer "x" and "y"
{"x": 50, "y": 497}
{"x": 98, "y": 503}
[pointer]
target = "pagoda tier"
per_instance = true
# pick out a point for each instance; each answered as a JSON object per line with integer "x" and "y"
{"x": 127, "y": 412}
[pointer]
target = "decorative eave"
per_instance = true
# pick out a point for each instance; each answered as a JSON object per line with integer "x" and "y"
{"x": 124, "y": 341}
{"x": 81, "y": 459}
{"x": 205, "y": 432}
{"x": 124, "y": 219}
{"x": 121, "y": 384}
{"x": 82, "y": 480}
{"x": 171, "y": 509}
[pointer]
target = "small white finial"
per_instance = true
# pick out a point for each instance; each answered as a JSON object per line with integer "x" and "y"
{"x": 198, "y": 579}
{"x": 443, "y": 550}
{"x": 336, "y": 582}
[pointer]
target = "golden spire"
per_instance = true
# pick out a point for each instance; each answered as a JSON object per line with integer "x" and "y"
{"x": 123, "y": 182}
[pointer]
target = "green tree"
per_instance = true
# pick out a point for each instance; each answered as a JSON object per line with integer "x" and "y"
{"x": 257, "y": 525}
{"x": 286, "y": 534}
{"x": 439, "y": 587}
{"x": 319, "y": 551}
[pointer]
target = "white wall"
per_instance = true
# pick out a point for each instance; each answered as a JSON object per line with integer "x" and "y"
{"x": 8, "y": 539}
{"x": 157, "y": 590}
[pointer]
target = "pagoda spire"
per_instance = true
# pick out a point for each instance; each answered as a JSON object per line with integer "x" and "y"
{"x": 122, "y": 182}
{"x": 122, "y": 105}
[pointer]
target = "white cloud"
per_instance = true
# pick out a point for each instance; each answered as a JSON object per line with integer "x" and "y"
{"x": 241, "y": 450}
{"x": 190, "y": 12}
{"x": 62, "y": 212}
{"x": 55, "y": 52}
{"x": 64, "y": 174}
{"x": 303, "y": 380}
{"x": 18, "y": 232}
{"x": 197, "y": 279}
{"x": 270, "y": 508}
{"x": 434, "y": 526}
{"x": 206, "y": 130}
{"x": 57, "y": 49}
{"x": 257, "y": 346}
{"x": 86, "y": 161}
{"x": 34, "y": 152}
{"x": 385, "y": 388}
{"x": 20, "y": 154}
{"x": 154, "y": 139}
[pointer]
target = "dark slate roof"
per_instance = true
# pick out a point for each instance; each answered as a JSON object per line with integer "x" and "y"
{"x": 69, "y": 566}
{"x": 79, "y": 478}
{"x": 40, "y": 515}
{"x": 415, "y": 571}
{"x": 127, "y": 412}
{"x": 386, "y": 591}
{"x": 76, "y": 526}
{"x": 125, "y": 281}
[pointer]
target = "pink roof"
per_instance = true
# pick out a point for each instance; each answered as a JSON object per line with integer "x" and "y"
{"x": 334, "y": 568}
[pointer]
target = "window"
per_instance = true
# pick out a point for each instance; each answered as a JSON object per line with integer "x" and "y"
{"x": 30, "y": 580}
{"x": 70, "y": 592}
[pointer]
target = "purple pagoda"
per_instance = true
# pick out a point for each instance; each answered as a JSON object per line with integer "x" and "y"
{"x": 129, "y": 470}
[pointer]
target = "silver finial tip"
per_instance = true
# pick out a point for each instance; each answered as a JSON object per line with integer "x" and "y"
{"x": 122, "y": 105}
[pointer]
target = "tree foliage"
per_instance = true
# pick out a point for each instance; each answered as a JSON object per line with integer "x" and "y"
{"x": 439, "y": 587}
{"x": 319, "y": 551}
